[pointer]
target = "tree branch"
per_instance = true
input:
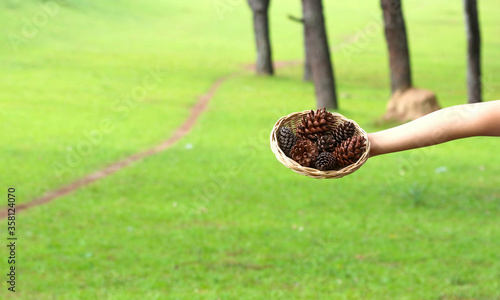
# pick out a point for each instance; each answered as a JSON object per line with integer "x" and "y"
{"x": 296, "y": 19}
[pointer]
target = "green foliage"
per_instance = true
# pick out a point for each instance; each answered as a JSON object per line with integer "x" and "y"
{"x": 216, "y": 216}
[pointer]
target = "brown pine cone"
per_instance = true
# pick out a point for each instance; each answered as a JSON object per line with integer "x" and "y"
{"x": 349, "y": 151}
{"x": 286, "y": 139}
{"x": 305, "y": 152}
{"x": 325, "y": 161}
{"x": 344, "y": 131}
{"x": 327, "y": 143}
{"x": 316, "y": 123}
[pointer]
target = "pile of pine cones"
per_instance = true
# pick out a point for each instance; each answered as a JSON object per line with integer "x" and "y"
{"x": 319, "y": 144}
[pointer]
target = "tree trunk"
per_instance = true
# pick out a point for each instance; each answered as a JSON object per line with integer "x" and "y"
{"x": 264, "y": 64}
{"x": 318, "y": 52}
{"x": 473, "y": 52}
{"x": 406, "y": 103}
{"x": 397, "y": 44}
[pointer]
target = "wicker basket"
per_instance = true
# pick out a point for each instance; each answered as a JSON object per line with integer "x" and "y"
{"x": 292, "y": 120}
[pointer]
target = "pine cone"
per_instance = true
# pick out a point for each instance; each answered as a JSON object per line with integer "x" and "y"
{"x": 327, "y": 143}
{"x": 286, "y": 139}
{"x": 305, "y": 152}
{"x": 349, "y": 151}
{"x": 325, "y": 161}
{"x": 315, "y": 124}
{"x": 344, "y": 131}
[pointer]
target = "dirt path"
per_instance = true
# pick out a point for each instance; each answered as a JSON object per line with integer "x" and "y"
{"x": 180, "y": 132}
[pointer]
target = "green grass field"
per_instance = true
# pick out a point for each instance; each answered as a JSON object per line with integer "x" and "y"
{"x": 217, "y": 216}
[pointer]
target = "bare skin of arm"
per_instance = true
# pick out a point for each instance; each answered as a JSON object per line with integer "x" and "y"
{"x": 456, "y": 122}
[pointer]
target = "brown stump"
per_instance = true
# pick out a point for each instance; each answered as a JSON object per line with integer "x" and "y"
{"x": 410, "y": 104}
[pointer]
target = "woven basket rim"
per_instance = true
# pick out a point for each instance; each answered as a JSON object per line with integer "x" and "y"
{"x": 312, "y": 172}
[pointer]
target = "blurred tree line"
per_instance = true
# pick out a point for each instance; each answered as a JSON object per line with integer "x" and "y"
{"x": 406, "y": 101}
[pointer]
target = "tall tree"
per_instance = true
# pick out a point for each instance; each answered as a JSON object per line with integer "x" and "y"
{"x": 318, "y": 52}
{"x": 473, "y": 52}
{"x": 406, "y": 103}
{"x": 260, "y": 8}
{"x": 397, "y": 44}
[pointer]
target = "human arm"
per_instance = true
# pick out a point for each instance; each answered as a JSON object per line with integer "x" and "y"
{"x": 456, "y": 122}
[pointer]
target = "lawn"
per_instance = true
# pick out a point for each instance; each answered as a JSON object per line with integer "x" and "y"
{"x": 216, "y": 216}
